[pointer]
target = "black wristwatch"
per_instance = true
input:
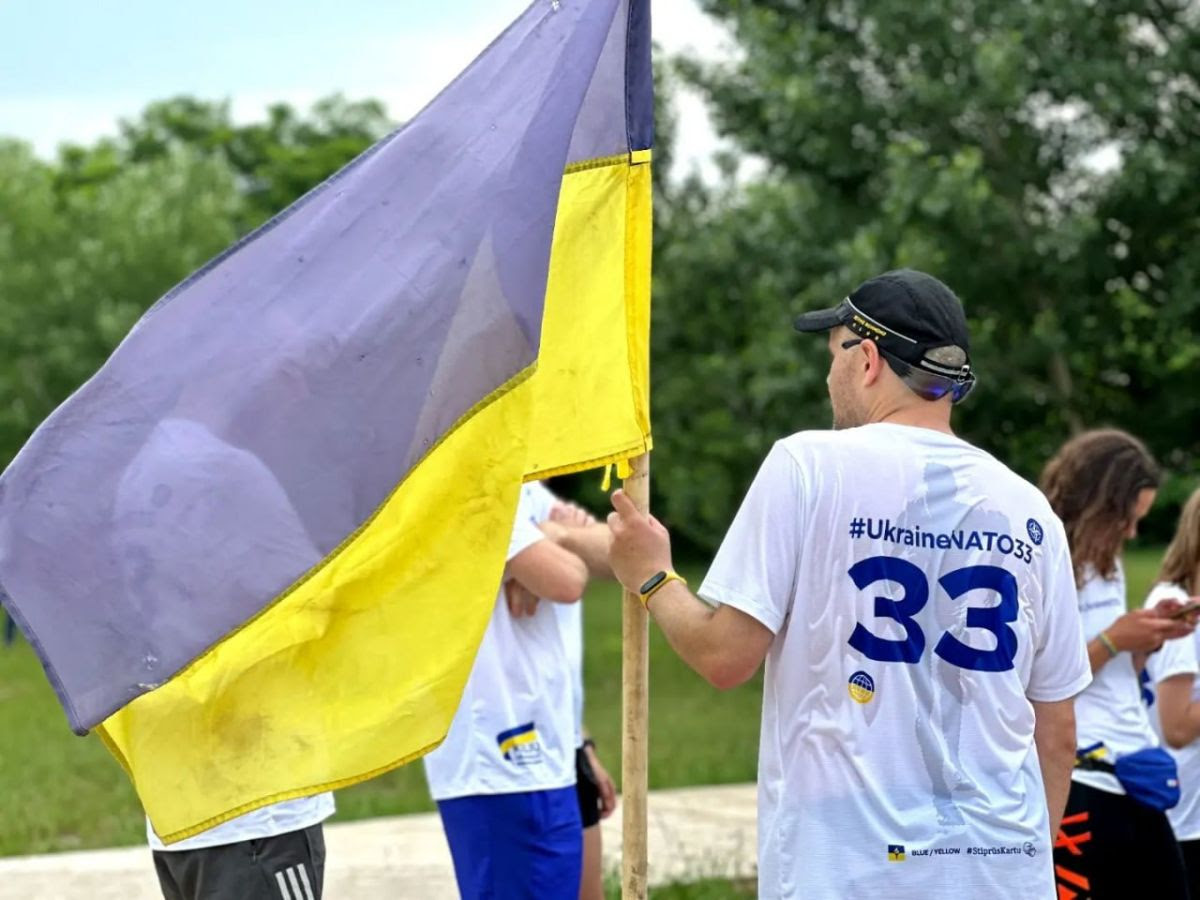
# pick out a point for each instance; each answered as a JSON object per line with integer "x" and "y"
{"x": 656, "y": 581}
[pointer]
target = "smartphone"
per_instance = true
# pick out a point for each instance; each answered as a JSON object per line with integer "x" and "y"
{"x": 1188, "y": 609}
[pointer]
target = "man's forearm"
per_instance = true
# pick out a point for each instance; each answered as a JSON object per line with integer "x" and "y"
{"x": 549, "y": 571}
{"x": 1057, "y": 776}
{"x": 685, "y": 619}
{"x": 726, "y": 646}
{"x": 1098, "y": 655}
{"x": 590, "y": 543}
{"x": 1054, "y": 736}
{"x": 695, "y": 631}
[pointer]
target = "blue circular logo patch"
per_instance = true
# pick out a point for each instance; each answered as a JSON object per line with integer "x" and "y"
{"x": 1035, "y": 531}
{"x": 862, "y": 687}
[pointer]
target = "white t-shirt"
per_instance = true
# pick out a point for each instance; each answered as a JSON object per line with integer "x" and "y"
{"x": 570, "y": 627}
{"x": 895, "y": 567}
{"x": 1179, "y": 657}
{"x": 513, "y": 730}
{"x": 276, "y": 819}
{"x": 569, "y": 616}
{"x": 1111, "y": 719}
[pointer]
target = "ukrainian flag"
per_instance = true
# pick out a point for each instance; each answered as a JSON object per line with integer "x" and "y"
{"x": 258, "y": 549}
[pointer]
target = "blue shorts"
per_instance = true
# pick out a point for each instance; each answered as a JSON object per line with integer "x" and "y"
{"x": 515, "y": 845}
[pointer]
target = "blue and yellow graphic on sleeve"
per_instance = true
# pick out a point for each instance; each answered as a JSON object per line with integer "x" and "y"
{"x": 895, "y": 853}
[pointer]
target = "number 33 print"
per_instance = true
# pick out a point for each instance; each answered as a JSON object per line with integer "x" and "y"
{"x": 993, "y": 619}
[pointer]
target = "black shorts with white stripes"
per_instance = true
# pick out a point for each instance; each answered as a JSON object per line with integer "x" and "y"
{"x": 284, "y": 867}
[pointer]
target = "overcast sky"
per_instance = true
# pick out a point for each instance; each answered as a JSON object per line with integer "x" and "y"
{"x": 69, "y": 69}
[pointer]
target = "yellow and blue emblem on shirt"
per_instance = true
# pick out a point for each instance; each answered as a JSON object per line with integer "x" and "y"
{"x": 862, "y": 687}
{"x": 895, "y": 852}
{"x": 520, "y": 745}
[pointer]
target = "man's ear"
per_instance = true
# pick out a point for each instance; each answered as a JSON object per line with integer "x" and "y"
{"x": 874, "y": 363}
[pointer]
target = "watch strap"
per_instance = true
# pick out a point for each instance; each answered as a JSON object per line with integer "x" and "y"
{"x": 656, "y": 582}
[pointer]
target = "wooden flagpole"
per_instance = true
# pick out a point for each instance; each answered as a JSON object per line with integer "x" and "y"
{"x": 635, "y": 717}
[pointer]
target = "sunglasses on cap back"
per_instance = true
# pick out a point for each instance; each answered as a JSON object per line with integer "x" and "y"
{"x": 925, "y": 384}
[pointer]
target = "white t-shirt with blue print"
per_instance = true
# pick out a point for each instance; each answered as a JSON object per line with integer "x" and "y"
{"x": 921, "y": 596}
{"x": 514, "y": 730}
{"x": 1111, "y": 715}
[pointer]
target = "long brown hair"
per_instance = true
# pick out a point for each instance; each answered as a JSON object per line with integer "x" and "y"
{"x": 1182, "y": 561}
{"x": 1092, "y": 483}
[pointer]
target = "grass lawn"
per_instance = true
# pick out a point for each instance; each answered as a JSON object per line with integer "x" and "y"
{"x": 705, "y": 889}
{"x": 1141, "y": 567}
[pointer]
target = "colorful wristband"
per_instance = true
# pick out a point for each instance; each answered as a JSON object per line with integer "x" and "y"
{"x": 1103, "y": 638}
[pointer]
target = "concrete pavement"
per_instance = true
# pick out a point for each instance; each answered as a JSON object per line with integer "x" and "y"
{"x": 693, "y": 833}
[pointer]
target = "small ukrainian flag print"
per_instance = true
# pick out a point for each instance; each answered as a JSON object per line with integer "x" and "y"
{"x": 520, "y": 745}
{"x": 895, "y": 853}
{"x": 861, "y": 687}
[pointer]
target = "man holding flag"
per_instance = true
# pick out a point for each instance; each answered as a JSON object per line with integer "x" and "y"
{"x": 915, "y": 604}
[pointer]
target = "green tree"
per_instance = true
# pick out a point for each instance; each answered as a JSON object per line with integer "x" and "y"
{"x": 1034, "y": 155}
{"x": 77, "y": 270}
{"x": 277, "y": 159}
{"x": 89, "y": 241}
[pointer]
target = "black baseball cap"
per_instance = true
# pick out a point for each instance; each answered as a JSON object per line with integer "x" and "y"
{"x": 907, "y": 314}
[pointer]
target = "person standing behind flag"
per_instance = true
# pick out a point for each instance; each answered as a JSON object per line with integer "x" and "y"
{"x": 914, "y": 602}
{"x": 273, "y": 853}
{"x": 583, "y": 535}
{"x": 277, "y": 851}
{"x": 1101, "y": 484}
{"x": 504, "y": 778}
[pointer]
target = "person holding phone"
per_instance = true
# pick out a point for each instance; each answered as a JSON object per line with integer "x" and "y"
{"x": 1172, "y": 671}
{"x": 1101, "y": 484}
